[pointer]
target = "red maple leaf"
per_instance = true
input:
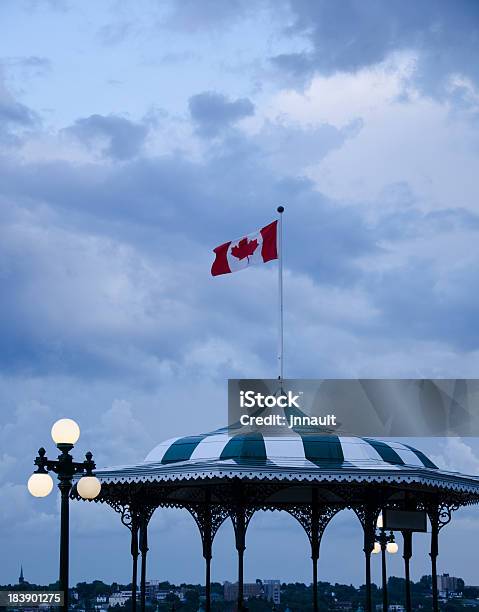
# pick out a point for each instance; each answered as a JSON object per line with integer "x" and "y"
{"x": 244, "y": 248}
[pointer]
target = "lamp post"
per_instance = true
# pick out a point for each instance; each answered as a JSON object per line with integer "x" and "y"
{"x": 384, "y": 543}
{"x": 65, "y": 434}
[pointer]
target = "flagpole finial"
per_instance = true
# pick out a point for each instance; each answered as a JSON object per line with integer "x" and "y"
{"x": 280, "y": 209}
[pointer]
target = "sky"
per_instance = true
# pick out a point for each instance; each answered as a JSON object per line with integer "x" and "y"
{"x": 137, "y": 136}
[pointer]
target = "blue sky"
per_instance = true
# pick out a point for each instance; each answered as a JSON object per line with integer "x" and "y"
{"x": 137, "y": 136}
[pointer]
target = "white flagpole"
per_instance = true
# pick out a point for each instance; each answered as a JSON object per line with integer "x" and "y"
{"x": 280, "y": 209}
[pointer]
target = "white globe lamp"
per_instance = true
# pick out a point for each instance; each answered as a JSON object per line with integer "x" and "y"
{"x": 88, "y": 487}
{"x": 392, "y": 548}
{"x": 40, "y": 485}
{"x": 65, "y": 431}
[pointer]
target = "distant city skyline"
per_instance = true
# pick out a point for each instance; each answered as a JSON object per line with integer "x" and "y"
{"x": 341, "y": 596}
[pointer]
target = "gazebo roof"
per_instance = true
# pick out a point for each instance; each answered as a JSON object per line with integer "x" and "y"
{"x": 301, "y": 457}
{"x": 312, "y": 450}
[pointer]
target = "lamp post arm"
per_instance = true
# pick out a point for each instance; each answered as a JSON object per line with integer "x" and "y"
{"x": 64, "y": 466}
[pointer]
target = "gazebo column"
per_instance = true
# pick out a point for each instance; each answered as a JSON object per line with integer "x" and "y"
{"x": 314, "y": 519}
{"x": 368, "y": 548}
{"x": 135, "y": 514}
{"x": 407, "y": 554}
{"x": 241, "y": 514}
{"x": 207, "y": 554}
{"x": 134, "y": 555}
{"x": 315, "y": 557}
{"x": 240, "y": 540}
{"x": 209, "y": 518}
{"x": 367, "y": 514}
{"x": 433, "y": 554}
{"x": 207, "y": 536}
{"x": 384, "y": 573}
{"x": 315, "y": 543}
{"x": 440, "y": 515}
{"x": 144, "y": 551}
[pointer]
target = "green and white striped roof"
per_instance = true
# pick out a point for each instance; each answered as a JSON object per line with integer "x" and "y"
{"x": 312, "y": 450}
{"x": 302, "y": 456}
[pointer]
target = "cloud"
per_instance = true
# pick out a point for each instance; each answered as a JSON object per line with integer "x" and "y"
{"x": 212, "y": 112}
{"x": 458, "y": 456}
{"x": 7, "y": 464}
{"x": 15, "y": 117}
{"x": 31, "y": 65}
{"x": 406, "y": 139}
{"x": 61, "y": 6}
{"x": 312, "y": 143}
{"x": 119, "y": 138}
{"x": 115, "y": 33}
{"x": 125, "y": 437}
{"x": 14, "y": 113}
{"x": 348, "y": 36}
{"x": 192, "y": 16}
{"x": 18, "y": 435}
{"x": 95, "y": 257}
{"x": 68, "y": 285}
{"x": 20, "y": 513}
{"x": 95, "y": 263}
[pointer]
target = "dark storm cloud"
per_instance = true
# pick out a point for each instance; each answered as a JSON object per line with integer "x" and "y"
{"x": 212, "y": 112}
{"x": 349, "y": 35}
{"x": 208, "y": 201}
{"x": 168, "y": 213}
{"x": 95, "y": 257}
{"x": 124, "y": 138}
{"x": 171, "y": 212}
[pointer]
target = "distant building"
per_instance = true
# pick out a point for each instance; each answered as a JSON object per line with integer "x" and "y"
{"x": 151, "y": 589}
{"x": 269, "y": 589}
{"x": 153, "y": 592}
{"x": 101, "y": 602}
{"x": 21, "y": 579}
{"x": 120, "y": 598}
{"x": 447, "y": 585}
{"x": 272, "y": 590}
{"x": 250, "y": 590}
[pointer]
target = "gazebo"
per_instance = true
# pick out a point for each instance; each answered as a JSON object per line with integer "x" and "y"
{"x": 231, "y": 474}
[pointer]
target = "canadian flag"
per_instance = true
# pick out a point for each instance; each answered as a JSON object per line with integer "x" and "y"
{"x": 258, "y": 247}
